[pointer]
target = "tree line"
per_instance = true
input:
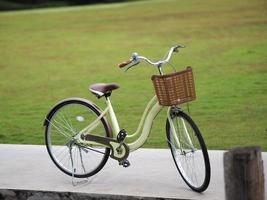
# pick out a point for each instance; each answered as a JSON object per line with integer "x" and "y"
{"x": 64, "y": 1}
{"x": 30, "y": 4}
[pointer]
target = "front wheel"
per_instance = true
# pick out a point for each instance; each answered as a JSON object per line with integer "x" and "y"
{"x": 62, "y": 124}
{"x": 188, "y": 150}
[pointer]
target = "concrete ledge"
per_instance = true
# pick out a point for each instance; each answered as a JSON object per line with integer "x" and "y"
{"x": 27, "y": 171}
{"x": 45, "y": 195}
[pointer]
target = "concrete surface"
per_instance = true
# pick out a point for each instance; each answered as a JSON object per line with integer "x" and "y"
{"x": 152, "y": 174}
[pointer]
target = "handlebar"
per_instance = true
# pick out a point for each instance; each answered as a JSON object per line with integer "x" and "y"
{"x": 135, "y": 59}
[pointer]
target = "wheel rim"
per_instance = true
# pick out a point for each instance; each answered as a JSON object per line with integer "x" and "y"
{"x": 66, "y": 123}
{"x": 187, "y": 153}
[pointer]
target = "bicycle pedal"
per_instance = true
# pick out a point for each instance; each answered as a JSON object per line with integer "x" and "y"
{"x": 125, "y": 163}
{"x": 121, "y": 135}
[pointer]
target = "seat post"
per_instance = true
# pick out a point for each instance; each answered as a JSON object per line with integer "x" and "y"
{"x": 113, "y": 118}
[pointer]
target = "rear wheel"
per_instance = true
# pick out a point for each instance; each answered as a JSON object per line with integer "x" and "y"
{"x": 188, "y": 150}
{"x": 63, "y": 123}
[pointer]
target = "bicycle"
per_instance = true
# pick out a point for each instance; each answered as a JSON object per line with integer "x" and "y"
{"x": 79, "y": 138}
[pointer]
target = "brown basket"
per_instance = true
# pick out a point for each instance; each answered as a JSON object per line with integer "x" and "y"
{"x": 175, "y": 88}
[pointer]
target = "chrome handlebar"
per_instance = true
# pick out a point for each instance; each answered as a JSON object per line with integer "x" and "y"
{"x": 136, "y": 59}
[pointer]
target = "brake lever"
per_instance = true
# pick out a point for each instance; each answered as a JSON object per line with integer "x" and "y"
{"x": 135, "y": 63}
{"x": 175, "y": 49}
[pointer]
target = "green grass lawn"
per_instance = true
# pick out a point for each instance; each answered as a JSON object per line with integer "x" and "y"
{"x": 51, "y": 54}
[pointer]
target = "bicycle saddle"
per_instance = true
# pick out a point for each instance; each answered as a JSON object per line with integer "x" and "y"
{"x": 103, "y": 89}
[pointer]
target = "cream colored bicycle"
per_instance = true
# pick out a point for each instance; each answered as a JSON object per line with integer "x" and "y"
{"x": 80, "y": 137}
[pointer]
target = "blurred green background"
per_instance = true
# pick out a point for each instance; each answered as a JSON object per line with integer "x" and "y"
{"x": 50, "y": 54}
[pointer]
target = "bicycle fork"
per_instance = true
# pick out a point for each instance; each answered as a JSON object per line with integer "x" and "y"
{"x": 172, "y": 112}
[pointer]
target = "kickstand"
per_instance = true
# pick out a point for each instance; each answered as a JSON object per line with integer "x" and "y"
{"x": 76, "y": 183}
{"x": 73, "y": 171}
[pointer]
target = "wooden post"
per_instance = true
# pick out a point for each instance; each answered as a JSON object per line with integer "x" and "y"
{"x": 243, "y": 174}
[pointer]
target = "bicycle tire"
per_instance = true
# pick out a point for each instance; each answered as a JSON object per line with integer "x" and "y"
{"x": 184, "y": 152}
{"x": 87, "y": 107}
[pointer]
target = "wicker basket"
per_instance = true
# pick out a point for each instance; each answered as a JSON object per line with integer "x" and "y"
{"x": 175, "y": 88}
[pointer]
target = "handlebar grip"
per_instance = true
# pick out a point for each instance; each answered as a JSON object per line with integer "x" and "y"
{"x": 123, "y": 64}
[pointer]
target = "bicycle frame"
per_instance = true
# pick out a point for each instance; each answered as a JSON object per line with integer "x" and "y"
{"x": 149, "y": 114}
{"x": 151, "y": 111}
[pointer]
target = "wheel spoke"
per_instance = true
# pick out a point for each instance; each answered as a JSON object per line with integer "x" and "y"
{"x": 59, "y": 129}
{"x": 68, "y": 124}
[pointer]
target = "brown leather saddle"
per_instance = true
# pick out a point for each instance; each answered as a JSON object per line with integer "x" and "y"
{"x": 103, "y": 89}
